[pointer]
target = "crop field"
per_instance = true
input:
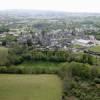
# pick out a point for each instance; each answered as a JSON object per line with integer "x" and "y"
{"x": 30, "y": 87}
{"x": 3, "y": 55}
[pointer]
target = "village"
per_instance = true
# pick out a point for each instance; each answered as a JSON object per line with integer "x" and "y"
{"x": 54, "y": 40}
{"x": 49, "y": 33}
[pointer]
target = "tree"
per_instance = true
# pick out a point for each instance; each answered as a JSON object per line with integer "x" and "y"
{"x": 29, "y": 42}
{"x": 87, "y": 58}
{"x": 4, "y": 43}
{"x": 4, "y": 29}
{"x": 90, "y": 59}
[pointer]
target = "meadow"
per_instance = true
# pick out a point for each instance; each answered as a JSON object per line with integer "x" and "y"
{"x": 30, "y": 87}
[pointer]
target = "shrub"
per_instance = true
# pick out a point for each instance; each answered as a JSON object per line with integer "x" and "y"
{"x": 63, "y": 71}
{"x": 97, "y": 80}
{"x": 86, "y": 58}
{"x": 94, "y": 72}
{"x": 68, "y": 86}
{"x": 3, "y": 69}
{"x": 80, "y": 70}
{"x": 12, "y": 70}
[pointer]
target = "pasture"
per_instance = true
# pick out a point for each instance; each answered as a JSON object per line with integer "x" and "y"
{"x": 95, "y": 49}
{"x": 30, "y": 87}
{"x": 41, "y": 64}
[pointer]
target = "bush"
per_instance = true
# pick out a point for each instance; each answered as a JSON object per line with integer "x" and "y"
{"x": 97, "y": 80}
{"x": 94, "y": 72}
{"x": 80, "y": 70}
{"x": 3, "y": 69}
{"x": 12, "y": 70}
{"x": 27, "y": 70}
{"x": 70, "y": 87}
{"x": 63, "y": 71}
{"x": 87, "y": 58}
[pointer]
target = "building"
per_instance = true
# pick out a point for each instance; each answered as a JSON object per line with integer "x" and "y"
{"x": 82, "y": 42}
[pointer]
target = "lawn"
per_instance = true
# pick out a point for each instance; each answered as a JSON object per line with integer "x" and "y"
{"x": 30, "y": 87}
{"x": 3, "y": 55}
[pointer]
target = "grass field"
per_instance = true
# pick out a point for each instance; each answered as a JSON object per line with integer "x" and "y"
{"x": 3, "y": 55}
{"x": 95, "y": 48}
{"x": 41, "y": 64}
{"x": 30, "y": 87}
{"x": 77, "y": 46}
{"x": 40, "y": 67}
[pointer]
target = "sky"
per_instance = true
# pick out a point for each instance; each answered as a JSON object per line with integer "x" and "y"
{"x": 53, "y": 5}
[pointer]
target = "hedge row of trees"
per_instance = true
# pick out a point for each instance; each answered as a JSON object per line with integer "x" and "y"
{"x": 18, "y": 54}
{"x": 28, "y": 70}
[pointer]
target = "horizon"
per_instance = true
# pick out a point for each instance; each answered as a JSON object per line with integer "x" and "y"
{"x": 54, "y": 11}
{"x": 74, "y": 6}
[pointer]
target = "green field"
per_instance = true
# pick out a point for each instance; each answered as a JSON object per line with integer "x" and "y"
{"x": 3, "y": 55}
{"x": 30, "y": 87}
{"x": 38, "y": 67}
{"x": 41, "y": 64}
{"x": 95, "y": 48}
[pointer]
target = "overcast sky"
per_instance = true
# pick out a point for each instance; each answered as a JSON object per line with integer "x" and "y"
{"x": 55, "y": 5}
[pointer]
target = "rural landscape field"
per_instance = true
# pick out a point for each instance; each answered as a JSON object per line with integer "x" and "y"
{"x": 49, "y": 49}
{"x": 30, "y": 87}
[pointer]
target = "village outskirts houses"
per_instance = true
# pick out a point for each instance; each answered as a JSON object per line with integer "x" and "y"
{"x": 54, "y": 39}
